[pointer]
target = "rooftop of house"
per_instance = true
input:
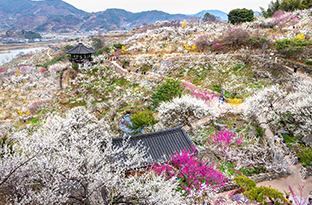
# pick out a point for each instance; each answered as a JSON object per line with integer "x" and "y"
{"x": 161, "y": 145}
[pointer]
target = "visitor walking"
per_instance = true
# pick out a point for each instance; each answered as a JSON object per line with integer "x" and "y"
{"x": 275, "y": 138}
{"x": 234, "y": 128}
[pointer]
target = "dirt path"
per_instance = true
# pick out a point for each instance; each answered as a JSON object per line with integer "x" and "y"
{"x": 292, "y": 180}
{"x": 282, "y": 184}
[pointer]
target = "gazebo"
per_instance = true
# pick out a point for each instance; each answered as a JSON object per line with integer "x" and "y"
{"x": 80, "y": 54}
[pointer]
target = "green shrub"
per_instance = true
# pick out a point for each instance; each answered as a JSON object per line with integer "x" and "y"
{"x": 100, "y": 51}
{"x": 288, "y": 139}
{"x": 290, "y": 46}
{"x": 118, "y": 46}
{"x": 260, "y": 194}
{"x": 305, "y": 156}
{"x": 245, "y": 182}
{"x": 308, "y": 62}
{"x": 237, "y": 16}
{"x": 57, "y": 59}
{"x": 140, "y": 121}
{"x": 68, "y": 47}
{"x": 169, "y": 89}
{"x": 258, "y": 41}
{"x": 75, "y": 66}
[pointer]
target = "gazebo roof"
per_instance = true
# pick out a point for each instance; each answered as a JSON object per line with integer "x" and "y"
{"x": 80, "y": 49}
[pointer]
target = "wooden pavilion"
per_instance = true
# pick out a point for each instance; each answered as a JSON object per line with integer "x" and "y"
{"x": 80, "y": 54}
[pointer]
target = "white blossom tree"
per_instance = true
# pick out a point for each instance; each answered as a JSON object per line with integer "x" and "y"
{"x": 182, "y": 110}
{"x": 71, "y": 159}
{"x": 288, "y": 108}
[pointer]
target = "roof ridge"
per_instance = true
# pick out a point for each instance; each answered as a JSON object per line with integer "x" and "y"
{"x": 80, "y": 49}
{"x": 149, "y": 134}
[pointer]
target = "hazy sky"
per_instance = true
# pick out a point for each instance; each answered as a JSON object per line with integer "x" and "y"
{"x": 170, "y": 6}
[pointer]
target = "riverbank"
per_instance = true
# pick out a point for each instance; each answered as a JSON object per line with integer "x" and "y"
{"x": 8, "y": 55}
{"x": 5, "y": 47}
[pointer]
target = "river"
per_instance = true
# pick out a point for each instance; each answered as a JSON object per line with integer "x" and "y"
{"x": 8, "y": 55}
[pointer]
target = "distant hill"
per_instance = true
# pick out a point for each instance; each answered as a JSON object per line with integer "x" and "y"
{"x": 59, "y": 16}
{"x": 39, "y": 15}
{"x": 217, "y": 13}
{"x": 124, "y": 19}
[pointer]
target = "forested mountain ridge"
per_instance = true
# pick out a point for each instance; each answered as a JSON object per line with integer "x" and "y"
{"x": 59, "y": 16}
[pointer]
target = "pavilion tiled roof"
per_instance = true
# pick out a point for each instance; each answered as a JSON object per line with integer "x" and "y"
{"x": 80, "y": 49}
{"x": 162, "y": 145}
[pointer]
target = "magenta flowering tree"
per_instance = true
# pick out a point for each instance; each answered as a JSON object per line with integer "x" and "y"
{"x": 216, "y": 46}
{"x": 192, "y": 174}
{"x": 280, "y": 18}
{"x": 224, "y": 140}
{"x": 42, "y": 70}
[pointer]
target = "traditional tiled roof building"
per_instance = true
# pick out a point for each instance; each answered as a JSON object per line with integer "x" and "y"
{"x": 162, "y": 145}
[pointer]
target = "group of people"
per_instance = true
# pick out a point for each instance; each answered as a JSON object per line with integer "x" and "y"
{"x": 137, "y": 71}
{"x": 221, "y": 100}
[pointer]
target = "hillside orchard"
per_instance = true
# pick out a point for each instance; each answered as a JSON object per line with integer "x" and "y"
{"x": 232, "y": 87}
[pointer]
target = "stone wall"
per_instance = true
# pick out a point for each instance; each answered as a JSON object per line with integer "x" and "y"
{"x": 276, "y": 68}
{"x": 298, "y": 66}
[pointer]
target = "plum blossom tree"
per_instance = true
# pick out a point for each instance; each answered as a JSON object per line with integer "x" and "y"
{"x": 182, "y": 111}
{"x": 202, "y": 42}
{"x": 238, "y": 150}
{"x": 286, "y": 108}
{"x": 193, "y": 174}
{"x": 72, "y": 160}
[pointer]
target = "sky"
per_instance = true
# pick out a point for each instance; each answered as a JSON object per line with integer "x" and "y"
{"x": 169, "y": 6}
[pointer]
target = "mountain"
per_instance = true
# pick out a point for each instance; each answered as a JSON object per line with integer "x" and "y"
{"x": 216, "y": 13}
{"x": 124, "y": 19}
{"x": 59, "y": 16}
{"x": 39, "y": 15}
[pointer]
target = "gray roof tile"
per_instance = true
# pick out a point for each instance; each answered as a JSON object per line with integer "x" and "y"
{"x": 80, "y": 49}
{"x": 162, "y": 145}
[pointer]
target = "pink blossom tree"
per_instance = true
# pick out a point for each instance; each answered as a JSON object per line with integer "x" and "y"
{"x": 191, "y": 173}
